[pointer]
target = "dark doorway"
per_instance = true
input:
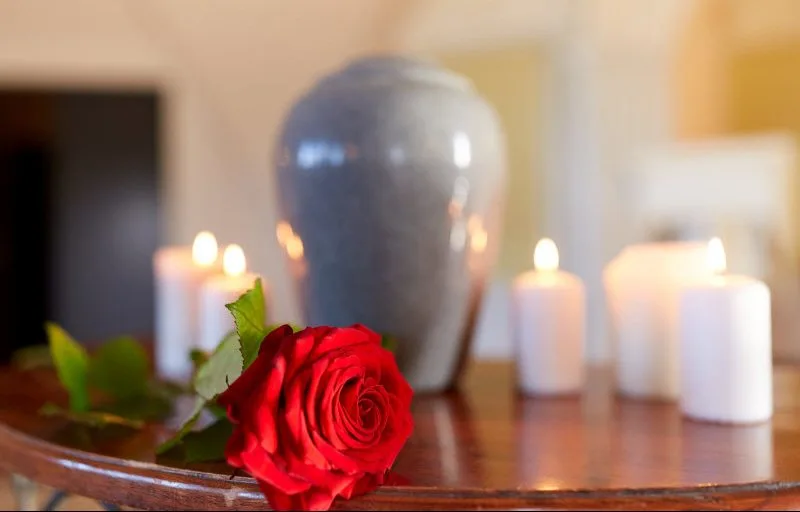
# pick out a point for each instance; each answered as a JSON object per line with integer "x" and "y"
{"x": 78, "y": 214}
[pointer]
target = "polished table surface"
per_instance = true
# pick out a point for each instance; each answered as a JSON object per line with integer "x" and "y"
{"x": 480, "y": 448}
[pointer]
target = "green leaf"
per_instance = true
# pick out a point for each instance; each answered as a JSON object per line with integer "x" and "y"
{"x": 119, "y": 368}
{"x": 217, "y": 411}
{"x": 272, "y": 327}
{"x": 223, "y": 367}
{"x": 249, "y": 317}
{"x": 167, "y": 389}
{"x": 94, "y": 419}
{"x": 185, "y": 429}
{"x": 141, "y": 408}
{"x": 208, "y": 444}
{"x": 28, "y": 358}
{"x": 72, "y": 366}
{"x": 389, "y": 343}
{"x": 198, "y": 357}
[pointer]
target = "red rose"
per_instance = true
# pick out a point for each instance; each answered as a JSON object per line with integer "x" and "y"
{"x": 320, "y": 413}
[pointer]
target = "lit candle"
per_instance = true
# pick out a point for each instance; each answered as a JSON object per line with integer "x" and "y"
{"x": 726, "y": 346}
{"x": 217, "y": 291}
{"x": 549, "y": 313}
{"x": 179, "y": 272}
{"x": 642, "y": 285}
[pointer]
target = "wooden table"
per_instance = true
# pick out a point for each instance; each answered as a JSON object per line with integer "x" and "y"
{"x": 482, "y": 448}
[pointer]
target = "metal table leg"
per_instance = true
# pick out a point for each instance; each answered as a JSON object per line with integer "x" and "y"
{"x": 55, "y": 500}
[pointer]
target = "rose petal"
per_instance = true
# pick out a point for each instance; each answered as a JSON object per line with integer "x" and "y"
{"x": 319, "y": 332}
{"x": 326, "y": 416}
{"x": 363, "y": 485}
{"x": 376, "y": 355}
{"x": 379, "y": 405}
{"x": 279, "y": 500}
{"x": 317, "y": 370}
{"x": 399, "y": 428}
{"x": 337, "y": 339}
{"x": 310, "y": 500}
{"x": 324, "y": 405}
{"x": 333, "y": 386}
{"x": 345, "y": 386}
{"x": 392, "y": 379}
{"x": 234, "y": 447}
{"x": 382, "y": 454}
{"x": 395, "y": 479}
{"x": 271, "y": 343}
{"x": 267, "y": 397}
{"x": 318, "y": 500}
{"x": 351, "y": 417}
{"x": 372, "y": 336}
{"x": 334, "y": 481}
{"x": 241, "y": 389}
{"x": 298, "y": 349}
{"x": 346, "y": 359}
{"x": 297, "y": 427}
{"x": 348, "y": 399}
{"x": 337, "y": 458}
{"x": 262, "y": 466}
{"x": 345, "y": 436}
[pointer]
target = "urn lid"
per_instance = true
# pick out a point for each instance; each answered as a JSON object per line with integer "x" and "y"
{"x": 382, "y": 70}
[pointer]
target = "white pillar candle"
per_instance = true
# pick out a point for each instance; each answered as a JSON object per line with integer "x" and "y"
{"x": 217, "y": 291}
{"x": 179, "y": 272}
{"x": 642, "y": 284}
{"x": 549, "y": 315}
{"x": 726, "y": 346}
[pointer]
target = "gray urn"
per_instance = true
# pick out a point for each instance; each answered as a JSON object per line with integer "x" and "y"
{"x": 390, "y": 179}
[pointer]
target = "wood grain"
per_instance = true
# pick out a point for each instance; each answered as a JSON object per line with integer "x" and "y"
{"x": 483, "y": 447}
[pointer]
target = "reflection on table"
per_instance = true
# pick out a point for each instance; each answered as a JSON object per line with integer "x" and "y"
{"x": 488, "y": 435}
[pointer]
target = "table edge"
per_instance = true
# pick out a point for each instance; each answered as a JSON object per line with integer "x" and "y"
{"x": 150, "y": 485}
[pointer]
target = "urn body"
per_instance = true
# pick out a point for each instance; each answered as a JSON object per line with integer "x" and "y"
{"x": 390, "y": 176}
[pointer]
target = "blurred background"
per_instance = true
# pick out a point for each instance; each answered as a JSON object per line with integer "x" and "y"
{"x": 126, "y": 125}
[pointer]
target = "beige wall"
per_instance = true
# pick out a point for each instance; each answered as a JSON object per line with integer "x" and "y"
{"x": 230, "y": 70}
{"x": 227, "y": 73}
{"x": 737, "y": 71}
{"x": 763, "y": 89}
{"x": 701, "y": 71}
{"x": 764, "y": 84}
{"x": 510, "y": 79}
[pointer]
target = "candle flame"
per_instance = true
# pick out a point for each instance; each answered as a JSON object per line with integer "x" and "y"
{"x": 716, "y": 256}
{"x": 545, "y": 256}
{"x": 233, "y": 261}
{"x": 204, "y": 249}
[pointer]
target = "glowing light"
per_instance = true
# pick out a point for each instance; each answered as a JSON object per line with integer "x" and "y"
{"x": 204, "y": 249}
{"x": 284, "y": 232}
{"x": 716, "y": 256}
{"x": 294, "y": 247}
{"x": 479, "y": 240}
{"x": 548, "y": 484}
{"x": 474, "y": 223}
{"x": 233, "y": 261}
{"x": 479, "y": 236}
{"x": 545, "y": 256}
{"x": 462, "y": 150}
